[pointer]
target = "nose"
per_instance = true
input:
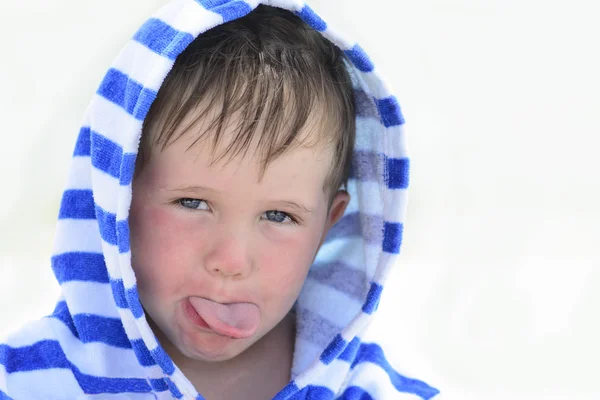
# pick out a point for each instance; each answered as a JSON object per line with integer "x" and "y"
{"x": 229, "y": 256}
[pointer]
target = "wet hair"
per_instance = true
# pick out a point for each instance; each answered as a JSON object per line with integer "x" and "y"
{"x": 269, "y": 69}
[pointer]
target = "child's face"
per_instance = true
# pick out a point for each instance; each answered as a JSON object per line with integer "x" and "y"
{"x": 219, "y": 233}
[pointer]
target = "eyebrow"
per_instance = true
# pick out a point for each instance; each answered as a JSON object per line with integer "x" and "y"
{"x": 189, "y": 189}
{"x": 296, "y": 206}
{"x": 197, "y": 189}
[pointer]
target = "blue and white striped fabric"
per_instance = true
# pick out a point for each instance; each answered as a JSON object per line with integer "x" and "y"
{"x": 98, "y": 344}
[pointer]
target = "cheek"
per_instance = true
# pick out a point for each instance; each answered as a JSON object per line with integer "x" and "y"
{"x": 159, "y": 250}
{"x": 284, "y": 264}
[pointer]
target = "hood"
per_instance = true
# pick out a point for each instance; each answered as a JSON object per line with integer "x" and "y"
{"x": 99, "y": 303}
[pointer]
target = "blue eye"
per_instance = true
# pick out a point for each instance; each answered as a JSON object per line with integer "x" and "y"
{"x": 279, "y": 217}
{"x": 193, "y": 204}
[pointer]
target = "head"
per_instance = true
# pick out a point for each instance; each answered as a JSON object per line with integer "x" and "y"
{"x": 243, "y": 159}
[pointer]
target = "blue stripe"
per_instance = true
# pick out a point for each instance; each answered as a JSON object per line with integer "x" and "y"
{"x": 94, "y": 328}
{"x": 287, "y": 391}
{"x": 350, "y": 351}
{"x": 389, "y": 111}
{"x": 77, "y": 204}
{"x": 123, "y": 236}
{"x": 44, "y": 354}
{"x": 333, "y": 350}
{"x": 107, "y": 156}
{"x": 108, "y": 225}
{"x": 113, "y": 232}
{"x": 62, "y": 313}
{"x": 163, "y": 359}
{"x": 360, "y": 59}
{"x": 162, "y": 38}
{"x": 173, "y": 388}
{"x": 97, "y": 385}
{"x": 127, "y": 168}
{"x": 88, "y": 267}
{"x": 134, "y": 302}
{"x": 126, "y": 298}
{"x": 392, "y": 237}
{"x": 355, "y": 393}
{"x": 82, "y": 146}
{"x": 159, "y": 385}
{"x": 118, "y": 291}
{"x": 397, "y": 176}
{"x": 143, "y": 354}
{"x": 373, "y": 298}
{"x": 315, "y": 392}
{"x": 228, "y": 9}
{"x": 371, "y": 352}
{"x": 4, "y": 396}
{"x": 127, "y": 93}
{"x": 312, "y": 19}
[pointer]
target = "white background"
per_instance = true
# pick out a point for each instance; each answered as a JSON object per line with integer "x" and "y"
{"x": 497, "y": 295}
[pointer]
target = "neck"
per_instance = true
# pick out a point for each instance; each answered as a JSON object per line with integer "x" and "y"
{"x": 271, "y": 357}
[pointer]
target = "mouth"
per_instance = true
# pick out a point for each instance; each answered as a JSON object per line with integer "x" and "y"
{"x": 233, "y": 320}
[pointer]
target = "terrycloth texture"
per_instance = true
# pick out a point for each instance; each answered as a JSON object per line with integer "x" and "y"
{"x": 98, "y": 344}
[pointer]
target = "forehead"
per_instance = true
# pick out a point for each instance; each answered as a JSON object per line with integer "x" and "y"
{"x": 196, "y": 155}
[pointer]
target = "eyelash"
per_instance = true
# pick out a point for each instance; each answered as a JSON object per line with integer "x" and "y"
{"x": 293, "y": 220}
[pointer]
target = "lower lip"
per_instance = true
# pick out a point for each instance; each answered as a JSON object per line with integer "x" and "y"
{"x": 194, "y": 316}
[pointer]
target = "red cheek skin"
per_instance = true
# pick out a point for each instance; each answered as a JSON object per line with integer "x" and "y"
{"x": 159, "y": 247}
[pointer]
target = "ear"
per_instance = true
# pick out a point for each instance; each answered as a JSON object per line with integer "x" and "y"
{"x": 336, "y": 210}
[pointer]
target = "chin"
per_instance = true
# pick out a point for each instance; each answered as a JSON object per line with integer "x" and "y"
{"x": 217, "y": 351}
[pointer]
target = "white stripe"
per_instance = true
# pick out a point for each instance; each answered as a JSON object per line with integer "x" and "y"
{"x": 47, "y": 384}
{"x": 292, "y": 5}
{"x": 125, "y": 193}
{"x": 111, "y": 258}
{"x": 350, "y": 251}
{"x": 183, "y": 384}
{"x": 135, "y": 60}
{"x": 397, "y": 146}
{"x": 368, "y": 143}
{"x": 33, "y": 332}
{"x": 395, "y": 205}
{"x": 329, "y": 303}
{"x": 188, "y": 16}
{"x": 114, "y": 123}
{"x": 303, "y": 359}
{"x": 80, "y": 173}
{"x": 130, "y": 324}
{"x": 377, "y": 86}
{"x": 73, "y": 235}
{"x": 338, "y": 39}
{"x": 106, "y": 188}
{"x": 395, "y": 135}
{"x": 147, "y": 335}
{"x": 127, "y": 273}
{"x": 368, "y": 194}
{"x": 90, "y": 298}
{"x": 329, "y": 376}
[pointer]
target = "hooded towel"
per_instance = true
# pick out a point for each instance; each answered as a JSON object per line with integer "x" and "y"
{"x": 97, "y": 343}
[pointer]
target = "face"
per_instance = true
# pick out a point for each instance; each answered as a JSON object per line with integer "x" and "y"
{"x": 220, "y": 252}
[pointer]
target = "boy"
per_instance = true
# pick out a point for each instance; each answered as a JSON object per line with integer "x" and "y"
{"x": 234, "y": 207}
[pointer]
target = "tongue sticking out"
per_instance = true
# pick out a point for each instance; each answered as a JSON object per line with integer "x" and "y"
{"x": 237, "y": 320}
